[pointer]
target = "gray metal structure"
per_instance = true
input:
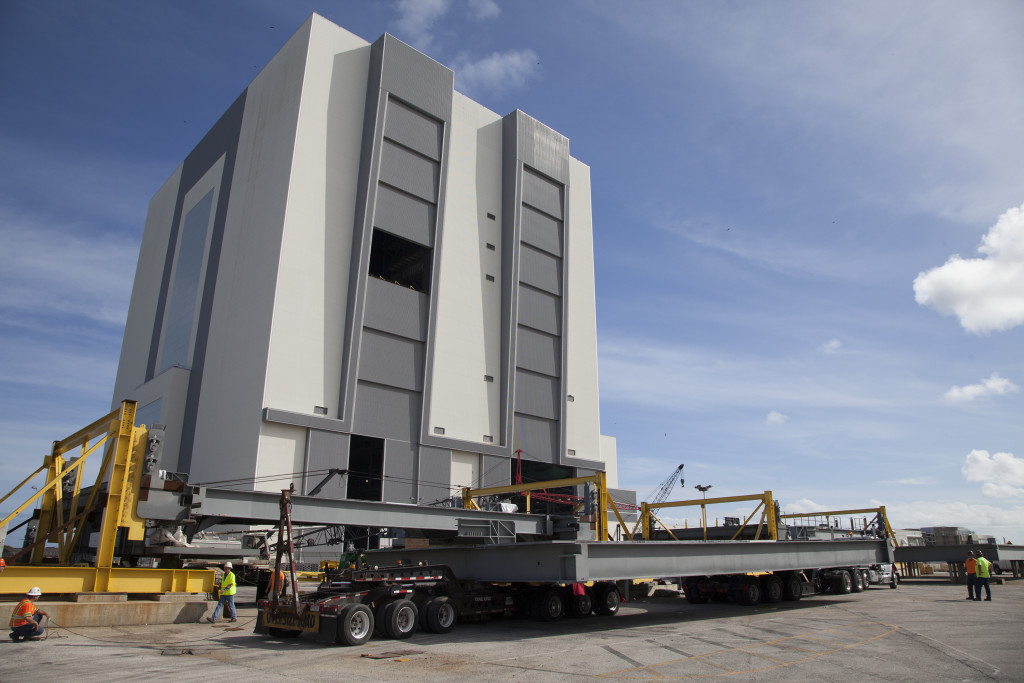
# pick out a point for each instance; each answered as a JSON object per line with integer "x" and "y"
{"x": 569, "y": 561}
{"x": 957, "y": 553}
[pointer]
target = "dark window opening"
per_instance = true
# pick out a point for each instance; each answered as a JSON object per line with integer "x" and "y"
{"x": 543, "y": 471}
{"x": 400, "y": 261}
{"x": 365, "y": 468}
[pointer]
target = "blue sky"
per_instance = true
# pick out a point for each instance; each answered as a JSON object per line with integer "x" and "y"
{"x": 808, "y": 223}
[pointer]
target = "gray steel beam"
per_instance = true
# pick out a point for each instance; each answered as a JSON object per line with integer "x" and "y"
{"x": 957, "y": 553}
{"x": 262, "y": 507}
{"x": 568, "y": 561}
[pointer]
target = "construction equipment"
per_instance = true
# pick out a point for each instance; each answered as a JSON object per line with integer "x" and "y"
{"x": 661, "y": 494}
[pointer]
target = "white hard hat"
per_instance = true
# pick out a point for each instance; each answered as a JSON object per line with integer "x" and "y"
{"x": 35, "y": 592}
{"x": 228, "y": 565}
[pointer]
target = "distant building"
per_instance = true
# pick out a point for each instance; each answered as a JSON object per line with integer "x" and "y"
{"x": 358, "y": 267}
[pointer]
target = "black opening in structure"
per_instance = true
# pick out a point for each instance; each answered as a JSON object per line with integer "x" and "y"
{"x": 534, "y": 471}
{"x": 365, "y": 468}
{"x": 400, "y": 261}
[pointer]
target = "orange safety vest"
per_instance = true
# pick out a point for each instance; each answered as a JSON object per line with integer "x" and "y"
{"x": 22, "y": 614}
{"x": 276, "y": 579}
{"x": 971, "y": 564}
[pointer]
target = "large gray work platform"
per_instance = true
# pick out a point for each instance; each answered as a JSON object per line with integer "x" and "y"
{"x": 958, "y": 553}
{"x": 575, "y": 561}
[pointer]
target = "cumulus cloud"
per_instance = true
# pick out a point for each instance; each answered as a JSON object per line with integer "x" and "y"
{"x": 985, "y": 293}
{"x": 831, "y": 347}
{"x": 774, "y": 417}
{"x": 802, "y": 506}
{"x": 1002, "y": 473}
{"x": 416, "y": 20}
{"x": 993, "y": 386}
{"x": 497, "y": 72}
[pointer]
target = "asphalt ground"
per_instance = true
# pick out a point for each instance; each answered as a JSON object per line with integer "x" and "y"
{"x": 923, "y": 631}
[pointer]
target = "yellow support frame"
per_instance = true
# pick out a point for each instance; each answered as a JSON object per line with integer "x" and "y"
{"x": 599, "y": 481}
{"x": 766, "y": 505}
{"x": 880, "y": 516}
{"x": 125, "y": 449}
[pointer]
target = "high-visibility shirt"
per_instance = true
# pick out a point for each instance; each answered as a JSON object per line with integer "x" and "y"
{"x": 971, "y": 564}
{"x": 227, "y": 584}
{"x": 276, "y": 579}
{"x": 22, "y": 614}
{"x": 983, "y": 566}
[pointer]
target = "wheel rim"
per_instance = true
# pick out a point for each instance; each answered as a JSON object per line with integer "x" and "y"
{"x": 445, "y": 615}
{"x": 553, "y": 606}
{"x": 358, "y": 624}
{"x": 611, "y": 600}
{"x": 405, "y": 619}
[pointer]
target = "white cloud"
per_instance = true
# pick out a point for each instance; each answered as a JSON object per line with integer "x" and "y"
{"x": 1001, "y": 469}
{"x": 484, "y": 9}
{"x": 64, "y": 270}
{"x": 831, "y": 347}
{"x": 416, "y": 20}
{"x": 1002, "y": 490}
{"x": 802, "y": 506}
{"x": 498, "y": 72}
{"x": 993, "y": 386}
{"x": 986, "y": 293}
{"x": 774, "y": 417}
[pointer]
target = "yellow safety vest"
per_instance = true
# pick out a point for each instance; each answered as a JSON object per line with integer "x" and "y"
{"x": 227, "y": 584}
{"x": 983, "y": 566}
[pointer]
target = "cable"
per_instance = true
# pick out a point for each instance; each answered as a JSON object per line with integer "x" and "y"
{"x": 241, "y": 624}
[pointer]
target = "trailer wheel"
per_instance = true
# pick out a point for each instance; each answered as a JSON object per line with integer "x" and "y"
{"x": 856, "y": 581}
{"x": 866, "y": 578}
{"x": 400, "y": 618}
{"x": 439, "y": 615}
{"x": 842, "y": 584}
{"x": 549, "y": 605}
{"x": 895, "y": 581}
{"x": 792, "y": 587}
{"x": 580, "y": 605}
{"x": 606, "y": 599}
{"x": 355, "y": 625}
{"x": 694, "y": 595}
{"x": 771, "y": 588}
{"x": 748, "y": 591}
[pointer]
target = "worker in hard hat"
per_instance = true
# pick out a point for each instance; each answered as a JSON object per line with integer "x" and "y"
{"x": 26, "y": 617}
{"x": 228, "y": 588}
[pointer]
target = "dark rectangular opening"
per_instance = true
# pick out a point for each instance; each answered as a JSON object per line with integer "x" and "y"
{"x": 400, "y": 261}
{"x": 365, "y": 468}
{"x": 542, "y": 471}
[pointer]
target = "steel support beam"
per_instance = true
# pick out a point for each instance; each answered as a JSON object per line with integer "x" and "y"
{"x": 568, "y": 561}
{"x": 957, "y": 553}
{"x": 262, "y": 507}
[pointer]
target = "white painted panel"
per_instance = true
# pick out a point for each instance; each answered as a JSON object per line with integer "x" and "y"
{"x": 465, "y": 470}
{"x": 282, "y": 452}
{"x": 582, "y": 415}
{"x": 467, "y": 341}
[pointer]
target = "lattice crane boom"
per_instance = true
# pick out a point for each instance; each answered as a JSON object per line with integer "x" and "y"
{"x": 660, "y": 494}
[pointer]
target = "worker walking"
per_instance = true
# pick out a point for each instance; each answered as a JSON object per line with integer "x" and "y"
{"x": 982, "y": 579}
{"x": 26, "y": 617}
{"x": 971, "y": 565}
{"x": 228, "y": 588}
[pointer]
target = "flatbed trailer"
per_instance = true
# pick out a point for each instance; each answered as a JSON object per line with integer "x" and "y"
{"x": 399, "y": 591}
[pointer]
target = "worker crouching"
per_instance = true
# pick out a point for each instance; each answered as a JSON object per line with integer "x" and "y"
{"x": 228, "y": 588}
{"x": 26, "y": 617}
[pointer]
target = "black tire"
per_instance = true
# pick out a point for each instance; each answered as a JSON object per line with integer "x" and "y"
{"x": 792, "y": 587}
{"x": 866, "y": 578}
{"x": 842, "y": 583}
{"x": 355, "y": 625}
{"x": 894, "y": 582}
{"x": 748, "y": 591}
{"x": 856, "y": 581}
{"x": 439, "y": 615}
{"x": 549, "y": 605}
{"x": 379, "y": 618}
{"x": 694, "y": 596}
{"x": 606, "y": 599}
{"x": 997, "y": 570}
{"x": 581, "y": 605}
{"x": 400, "y": 618}
{"x": 771, "y": 589}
